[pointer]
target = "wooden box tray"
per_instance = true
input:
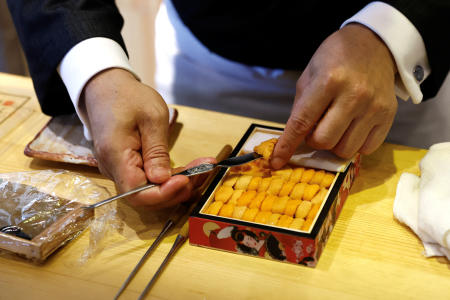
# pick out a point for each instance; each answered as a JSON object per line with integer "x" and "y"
{"x": 60, "y": 232}
{"x": 264, "y": 225}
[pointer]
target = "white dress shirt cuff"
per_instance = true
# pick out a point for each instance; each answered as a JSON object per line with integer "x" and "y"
{"x": 405, "y": 43}
{"x": 83, "y": 61}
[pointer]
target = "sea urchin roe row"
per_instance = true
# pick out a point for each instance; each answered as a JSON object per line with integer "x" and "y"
{"x": 266, "y": 203}
{"x": 301, "y": 220}
{"x": 258, "y": 176}
{"x": 276, "y": 186}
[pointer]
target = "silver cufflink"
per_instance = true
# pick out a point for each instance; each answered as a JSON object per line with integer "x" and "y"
{"x": 418, "y": 73}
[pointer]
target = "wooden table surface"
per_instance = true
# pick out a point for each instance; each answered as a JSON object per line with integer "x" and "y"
{"x": 369, "y": 254}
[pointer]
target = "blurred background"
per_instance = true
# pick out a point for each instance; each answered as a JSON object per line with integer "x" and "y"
{"x": 137, "y": 32}
{"x": 431, "y": 120}
{"x": 11, "y": 55}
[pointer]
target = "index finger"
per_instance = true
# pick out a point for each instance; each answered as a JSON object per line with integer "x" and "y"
{"x": 310, "y": 104}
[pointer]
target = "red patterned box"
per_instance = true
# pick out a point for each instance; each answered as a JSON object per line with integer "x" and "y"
{"x": 298, "y": 246}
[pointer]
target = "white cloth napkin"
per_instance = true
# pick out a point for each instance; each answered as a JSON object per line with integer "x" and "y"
{"x": 423, "y": 203}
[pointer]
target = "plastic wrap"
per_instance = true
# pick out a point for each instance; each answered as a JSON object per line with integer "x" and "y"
{"x": 47, "y": 207}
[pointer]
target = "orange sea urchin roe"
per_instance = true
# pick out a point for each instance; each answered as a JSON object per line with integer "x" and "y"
{"x": 279, "y": 205}
{"x": 317, "y": 177}
{"x": 291, "y": 207}
{"x": 320, "y": 196}
{"x": 239, "y": 211}
{"x": 303, "y": 209}
{"x": 297, "y": 223}
{"x": 290, "y": 197}
{"x": 214, "y": 208}
{"x": 275, "y": 186}
{"x": 250, "y": 214}
{"x": 286, "y": 188}
{"x": 235, "y": 196}
{"x": 284, "y": 173}
{"x": 296, "y": 174}
{"x": 310, "y": 191}
{"x": 254, "y": 183}
{"x": 267, "y": 203}
{"x": 262, "y": 217}
{"x": 226, "y": 210}
{"x": 273, "y": 219}
{"x": 266, "y": 148}
{"x": 256, "y": 202}
{"x": 285, "y": 221}
{"x": 327, "y": 180}
{"x": 264, "y": 184}
{"x": 246, "y": 198}
{"x": 307, "y": 175}
{"x": 223, "y": 193}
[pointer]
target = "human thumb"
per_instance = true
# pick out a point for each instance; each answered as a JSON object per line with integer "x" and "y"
{"x": 155, "y": 154}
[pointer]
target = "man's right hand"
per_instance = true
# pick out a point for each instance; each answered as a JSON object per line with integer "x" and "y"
{"x": 129, "y": 126}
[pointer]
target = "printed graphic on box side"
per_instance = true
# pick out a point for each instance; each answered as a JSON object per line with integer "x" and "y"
{"x": 252, "y": 241}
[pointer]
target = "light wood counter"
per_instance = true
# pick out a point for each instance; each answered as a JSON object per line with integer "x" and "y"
{"x": 369, "y": 254}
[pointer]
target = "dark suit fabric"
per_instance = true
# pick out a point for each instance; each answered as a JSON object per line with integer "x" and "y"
{"x": 285, "y": 34}
{"x": 269, "y": 33}
{"x": 48, "y": 29}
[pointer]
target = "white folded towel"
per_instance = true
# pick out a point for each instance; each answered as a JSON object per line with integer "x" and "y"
{"x": 423, "y": 203}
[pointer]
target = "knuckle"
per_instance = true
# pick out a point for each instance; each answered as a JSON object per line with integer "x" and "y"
{"x": 361, "y": 91}
{"x": 300, "y": 126}
{"x": 344, "y": 150}
{"x": 320, "y": 141}
{"x": 332, "y": 79}
{"x": 344, "y": 153}
{"x": 372, "y": 145}
{"x": 157, "y": 116}
{"x": 384, "y": 109}
{"x": 157, "y": 152}
{"x": 162, "y": 114}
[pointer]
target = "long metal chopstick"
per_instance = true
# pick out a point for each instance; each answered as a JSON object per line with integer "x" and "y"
{"x": 155, "y": 243}
{"x": 225, "y": 152}
{"x": 181, "y": 238}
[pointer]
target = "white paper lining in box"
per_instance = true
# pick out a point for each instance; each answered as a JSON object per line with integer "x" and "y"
{"x": 304, "y": 155}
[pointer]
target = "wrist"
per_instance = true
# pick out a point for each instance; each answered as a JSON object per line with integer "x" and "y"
{"x": 374, "y": 45}
{"x": 104, "y": 86}
{"x": 107, "y": 82}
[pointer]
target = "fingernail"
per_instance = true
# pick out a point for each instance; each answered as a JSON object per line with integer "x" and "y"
{"x": 160, "y": 173}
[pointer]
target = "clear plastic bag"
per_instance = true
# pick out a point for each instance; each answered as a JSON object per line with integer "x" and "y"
{"x": 46, "y": 206}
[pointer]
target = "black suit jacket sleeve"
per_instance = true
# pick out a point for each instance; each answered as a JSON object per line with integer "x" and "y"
{"x": 432, "y": 20}
{"x": 48, "y": 29}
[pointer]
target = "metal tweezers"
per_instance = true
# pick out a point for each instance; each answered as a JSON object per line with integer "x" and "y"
{"x": 200, "y": 169}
